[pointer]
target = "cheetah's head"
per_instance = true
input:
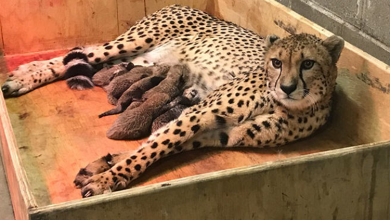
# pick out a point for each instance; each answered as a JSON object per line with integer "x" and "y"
{"x": 302, "y": 68}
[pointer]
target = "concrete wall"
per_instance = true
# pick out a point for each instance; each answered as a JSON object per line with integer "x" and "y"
{"x": 363, "y": 23}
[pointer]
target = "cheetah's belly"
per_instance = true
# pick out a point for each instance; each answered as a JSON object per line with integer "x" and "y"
{"x": 212, "y": 61}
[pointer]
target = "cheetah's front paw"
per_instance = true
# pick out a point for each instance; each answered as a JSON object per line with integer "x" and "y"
{"x": 98, "y": 166}
{"x": 103, "y": 183}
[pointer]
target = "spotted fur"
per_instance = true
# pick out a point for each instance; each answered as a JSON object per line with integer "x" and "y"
{"x": 216, "y": 51}
{"x": 252, "y": 111}
{"x": 249, "y": 97}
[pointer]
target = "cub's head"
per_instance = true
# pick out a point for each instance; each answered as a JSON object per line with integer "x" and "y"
{"x": 302, "y": 68}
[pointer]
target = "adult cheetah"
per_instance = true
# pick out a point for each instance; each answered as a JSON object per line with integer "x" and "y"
{"x": 250, "y": 98}
{"x": 286, "y": 99}
{"x": 214, "y": 50}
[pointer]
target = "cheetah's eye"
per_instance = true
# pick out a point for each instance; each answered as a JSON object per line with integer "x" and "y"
{"x": 276, "y": 63}
{"x": 307, "y": 64}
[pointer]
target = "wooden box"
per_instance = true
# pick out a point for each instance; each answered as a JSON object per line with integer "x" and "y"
{"x": 342, "y": 172}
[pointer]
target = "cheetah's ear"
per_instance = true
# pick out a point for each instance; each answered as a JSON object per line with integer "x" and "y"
{"x": 334, "y": 45}
{"x": 270, "y": 39}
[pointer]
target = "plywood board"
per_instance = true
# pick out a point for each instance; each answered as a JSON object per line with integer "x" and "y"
{"x": 1, "y": 40}
{"x": 16, "y": 177}
{"x": 49, "y": 25}
{"x": 36, "y": 25}
{"x": 57, "y": 132}
{"x": 129, "y": 11}
{"x": 154, "y": 5}
{"x": 334, "y": 185}
{"x": 52, "y": 121}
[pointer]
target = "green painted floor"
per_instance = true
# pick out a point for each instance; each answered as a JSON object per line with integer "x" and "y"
{"x": 6, "y": 211}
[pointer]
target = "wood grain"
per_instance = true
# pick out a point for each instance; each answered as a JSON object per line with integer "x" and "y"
{"x": 59, "y": 24}
{"x": 288, "y": 189}
{"x": 36, "y": 25}
{"x": 20, "y": 191}
{"x": 1, "y": 40}
{"x": 129, "y": 11}
{"x": 154, "y": 5}
{"x": 57, "y": 130}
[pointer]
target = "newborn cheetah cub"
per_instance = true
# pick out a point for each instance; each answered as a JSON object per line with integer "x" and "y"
{"x": 287, "y": 99}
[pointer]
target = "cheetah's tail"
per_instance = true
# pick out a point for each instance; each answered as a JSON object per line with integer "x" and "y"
{"x": 78, "y": 71}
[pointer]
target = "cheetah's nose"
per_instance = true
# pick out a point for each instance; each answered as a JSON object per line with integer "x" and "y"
{"x": 5, "y": 88}
{"x": 288, "y": 89}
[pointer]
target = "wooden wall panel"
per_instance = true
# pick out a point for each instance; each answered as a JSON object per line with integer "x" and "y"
{"x": 37, "y": 25}
{"x": 129, "y": 11}
{"x": 1, "y": 40}
{"x": 154, "y": 5}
